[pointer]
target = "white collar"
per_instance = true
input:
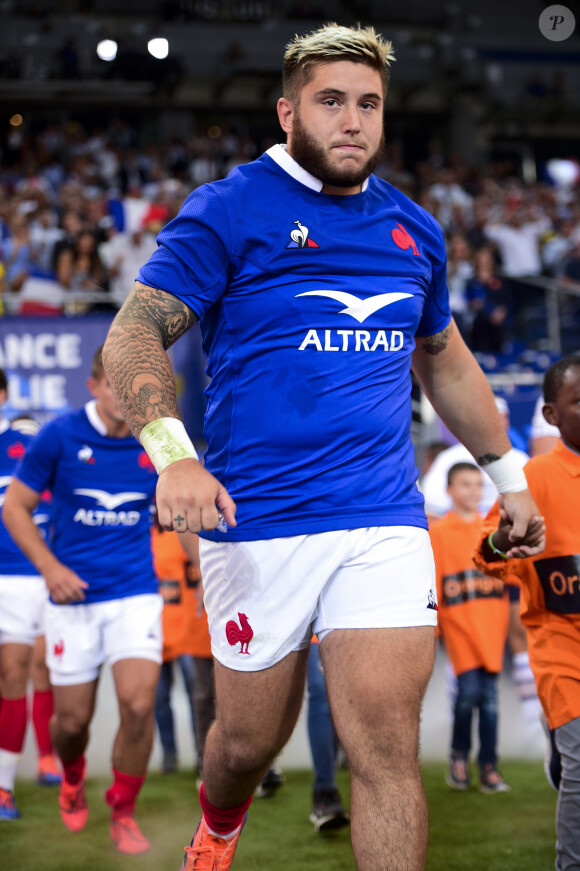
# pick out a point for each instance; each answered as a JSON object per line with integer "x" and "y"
{"x": 4, "y": 425}
{"x": 280, "y": 155}
{"x": 94, "y": 419}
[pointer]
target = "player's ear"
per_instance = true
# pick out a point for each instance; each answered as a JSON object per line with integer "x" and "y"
{"x": 285, "y": 111}
{"x": 91, "y": 384}
{"x": 550, "y": 414}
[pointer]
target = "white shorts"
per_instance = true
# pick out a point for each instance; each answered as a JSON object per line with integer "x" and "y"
{"x": 80, "y": 638}
{"x": 266, "y": 598}
{"x": 23, "y": 600}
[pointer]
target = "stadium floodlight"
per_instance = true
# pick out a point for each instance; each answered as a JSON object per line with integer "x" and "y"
{"x": 107, "y": 49}
{"x": 158, "y": 47}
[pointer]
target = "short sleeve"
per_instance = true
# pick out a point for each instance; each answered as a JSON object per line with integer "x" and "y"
{"x": 193, "y": 254}
{"x": 37, "y": 468}
{"x": 437, "y": 309}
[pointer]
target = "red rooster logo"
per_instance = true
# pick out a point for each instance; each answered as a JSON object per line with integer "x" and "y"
{"x": 59, "y": 648}
{"x": 403, "y": 239}
{"x": 243, "y": 635}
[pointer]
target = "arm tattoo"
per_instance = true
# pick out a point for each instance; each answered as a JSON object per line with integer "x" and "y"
{"x": 135, "y": 357}
{"x": 435, "y": 344}
{"x": 486, "y": 459}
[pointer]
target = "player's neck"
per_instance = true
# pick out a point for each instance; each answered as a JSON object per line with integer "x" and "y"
{"x": 466, "y": 514}
{"x": 116, "y": 429}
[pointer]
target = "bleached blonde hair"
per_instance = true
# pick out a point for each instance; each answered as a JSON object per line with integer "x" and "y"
{"x": 333, "y": 42}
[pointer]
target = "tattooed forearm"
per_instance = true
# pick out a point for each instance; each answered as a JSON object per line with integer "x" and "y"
{"x": 135, "y": 355}
{"x": 486, "y": 459}
{"x": 435, "y": 344}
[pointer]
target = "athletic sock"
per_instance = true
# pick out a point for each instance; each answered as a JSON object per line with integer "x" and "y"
{"x": 13, "y": 717}
{"x": 8, "y": 767}
{"x": 74, "y": 770}
{"x": 523, "y": 678}
{"x": 222, "y": 822}
{"x": 122, "y": 795}
{"x": 42, "y": 711}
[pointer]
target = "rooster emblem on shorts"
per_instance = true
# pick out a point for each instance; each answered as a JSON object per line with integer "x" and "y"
{"x": 244, "y": 634}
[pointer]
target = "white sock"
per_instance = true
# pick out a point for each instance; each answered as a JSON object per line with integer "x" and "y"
{"x": 8, "y": 767}
{"x": 523, "y": 678}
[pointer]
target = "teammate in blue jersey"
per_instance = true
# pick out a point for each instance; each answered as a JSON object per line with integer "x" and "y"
{"x": 104, "y": 604}
{"x": 318, "y": 287}
{"x": 23, "y": 598}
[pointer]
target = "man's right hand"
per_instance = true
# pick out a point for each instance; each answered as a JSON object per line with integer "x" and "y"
{"x": 189, "y": 497}
{"x": 64, "y": 585}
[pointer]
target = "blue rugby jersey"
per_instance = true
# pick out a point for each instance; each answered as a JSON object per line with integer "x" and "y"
{"x": 102, "y": 494}
{"x": 13, "y": 446}
{"x": 309, "y": 306}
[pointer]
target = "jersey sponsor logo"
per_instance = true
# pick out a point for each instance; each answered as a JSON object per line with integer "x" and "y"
{"x": 353, "y": 340}
{"x": 85, "y": 455}
{"x": 471, "y": 584}
{"x": 242, "y": 633}
{"x": 300, "y": 237}
{"x": 16, "y": 451}
{"x": 110, "y": 502}
{"x": 560, "y": 580}
{"x": 404, "y": 240}
{"x": 359, "y": 309}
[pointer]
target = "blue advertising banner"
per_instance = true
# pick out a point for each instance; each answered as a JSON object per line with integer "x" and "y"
{"x": 47, "y": 362}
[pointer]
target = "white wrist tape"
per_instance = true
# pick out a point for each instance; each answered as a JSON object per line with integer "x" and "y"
{"x": 507, "y": 473}
{"x": 166, "y": 442}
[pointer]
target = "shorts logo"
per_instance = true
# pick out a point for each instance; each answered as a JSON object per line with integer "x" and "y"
{"x": 244, "y": 634}
{"x": 300, "y": 238}
{"x": 59, "y": 648}
{"x": 432, "y": 601}
{"x": 403, "y": 240}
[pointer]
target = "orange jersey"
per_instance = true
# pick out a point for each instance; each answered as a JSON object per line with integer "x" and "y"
{"x": 185, "y": 629}
{"x": 473, "y": 607}
{"x": 550, "y": 582}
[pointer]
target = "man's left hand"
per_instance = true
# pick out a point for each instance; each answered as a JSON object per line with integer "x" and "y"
{"x": 523, "y": 523}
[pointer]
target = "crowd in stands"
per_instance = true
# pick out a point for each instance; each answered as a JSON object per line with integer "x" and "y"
{"x": 80, "y": 209}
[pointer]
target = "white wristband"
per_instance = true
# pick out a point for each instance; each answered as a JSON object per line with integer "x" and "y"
{"x": 166, "y": 441}
{"x": 507, "y": 473}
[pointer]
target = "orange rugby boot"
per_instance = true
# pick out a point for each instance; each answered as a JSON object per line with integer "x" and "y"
{"x": 210, "y": 852}
{"x": 127, "y": 837}
{"x": 72, "y": 803}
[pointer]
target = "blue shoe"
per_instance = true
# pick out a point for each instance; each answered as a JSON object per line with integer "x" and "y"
{"x": 8, "y": 810}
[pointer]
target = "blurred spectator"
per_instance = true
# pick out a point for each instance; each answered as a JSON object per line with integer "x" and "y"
{"x": 80, "y": 269}
{"x": 448, "y": 194}
{"x": 123, "y": 255}
{"x": 517, "y": 237}
{"x": 71, "y": 226}
{"x": 460, "y": 269}
{"x": 44, "y": 234}
{"x": 488, "y": 298}
{"x": 559, "y": 245}
{"x": 17, "y": 253}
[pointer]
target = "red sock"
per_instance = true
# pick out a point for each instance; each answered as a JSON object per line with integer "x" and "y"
{"x": 74, "y": 770}
{"x": 42, "y": 711}
{"x": 122, "y": 795}
{"x": 13, "y": 717}
{"x": 220, "y": 820}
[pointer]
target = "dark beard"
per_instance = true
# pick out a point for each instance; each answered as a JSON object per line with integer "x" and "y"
{"x": 312, "y": 158}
